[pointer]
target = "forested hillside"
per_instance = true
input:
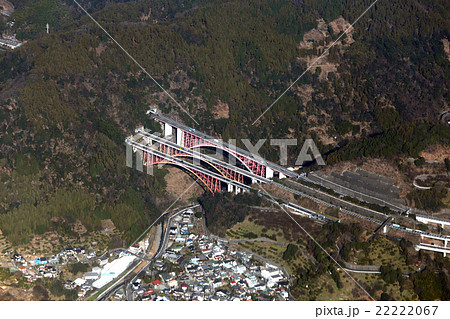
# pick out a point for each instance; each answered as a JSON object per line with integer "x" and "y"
{"x": 69, "y": 98}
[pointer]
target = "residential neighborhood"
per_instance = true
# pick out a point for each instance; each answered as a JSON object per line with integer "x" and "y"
{"x": 195, "y": 267}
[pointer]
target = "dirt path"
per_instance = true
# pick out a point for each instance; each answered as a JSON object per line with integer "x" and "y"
{"x": 6, "y": 5}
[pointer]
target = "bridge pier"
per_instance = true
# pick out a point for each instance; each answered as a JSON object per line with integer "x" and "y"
{"x": 269, "y": 172}
{"x": 168, "y": 130}
{"x": 129, "y": 156}
{"x": 179, "y": 137}
{"x": 139, "y": 161}
{"x": 150, "y": 168}
{"x": 385, "y": 229}
{"x": 148, "y": 141}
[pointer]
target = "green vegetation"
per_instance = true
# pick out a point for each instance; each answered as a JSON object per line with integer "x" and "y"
{"x": 68, "y": 100}
{"x": 391, "y": 275}
{"x": 419, "y": 162}
{"x": 40, "y": 293}
{"x": 4, "y": 274}
{"x": 198, "y": 214}
{"x": 223, "y": 210}
{"x": 254, "y": 45}
{"x": 78, "y": 268}
{"x": 428, "y": 285}
{"x": 409, "y": 139}
{"x": 345, "y": 127}
{"x": 290, "y": 251}
{"x": 28, "y": 219}
{"x": 429, "y": 199}
{"x": 57, "y": 289}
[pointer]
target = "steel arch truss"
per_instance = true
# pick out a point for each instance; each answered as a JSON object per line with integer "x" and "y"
{"x": 231, "y": 174}
{"x": 213, "y": 184}
{"x": 192, "y": 141}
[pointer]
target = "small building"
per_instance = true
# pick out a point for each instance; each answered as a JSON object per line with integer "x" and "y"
{"x": 103, "y": 260}
{"x": 10, "y": 43}
{"x": 91, "y": 275}
{"x": 41, "y": 261}
{"x": 79, "y": 282}
{"x": 159, "y": 264}
{"x": 97, "y": 270}
{"x": 165, "y": 276}
{"x": 172, "y": 283}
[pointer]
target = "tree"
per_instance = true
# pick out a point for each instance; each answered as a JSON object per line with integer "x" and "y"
{"x": 420, "y": 161}
{"x": 385, "y": 296}
{"x": 78, "y": 268}
{"x": 447, "y": 163}
{"x": 57, "y": 288}
{"x": 290, "y": 251}
{"x": 427, "y": 285}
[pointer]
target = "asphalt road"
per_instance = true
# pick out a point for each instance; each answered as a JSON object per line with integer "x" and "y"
{"x": 161, "y": 249}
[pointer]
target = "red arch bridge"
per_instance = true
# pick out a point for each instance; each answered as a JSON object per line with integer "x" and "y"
{"x": 181, "y": 146}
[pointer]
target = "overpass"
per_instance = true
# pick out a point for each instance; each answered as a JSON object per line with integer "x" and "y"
{"x": 174, "y": 149}
{"x": 433, "y": 220}
{"x": 190, "y": 138}
{"x": 149, "y": 155}
{"x": 181, "y": 142}
{"x": 383, "y": 226}
{"x": 441, "y": 249}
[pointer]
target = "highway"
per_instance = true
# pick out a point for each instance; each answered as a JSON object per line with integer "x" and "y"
{"x": 306, "y": 212}
{"x": 204, "y": 157}
{"x": 213, "y": 160}
{"x": 161, "y": 249}
{"x": 119, "y": 282}
{"x": 338, "y": 201}
{"x": 419, "y": 232}
{"x": 185, "y": 164}
{"x": 339, "y": 188}
{"x": 296, "y": 192}
{"x": 376, "y": 221}
{"x": 441, "y": 249}
{"x": 243, "y": 186}
{"x": 222, "y": 144}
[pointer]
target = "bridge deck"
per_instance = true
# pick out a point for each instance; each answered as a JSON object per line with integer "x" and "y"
{"x": 216, "y": 142}
{"x": 182, "y": 163}
{"x": 204, "y": 156}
